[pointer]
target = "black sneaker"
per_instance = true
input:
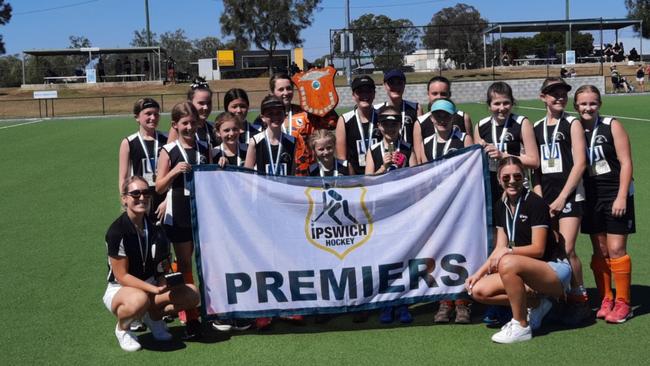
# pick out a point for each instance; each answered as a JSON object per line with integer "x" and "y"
{"x": 242, "y": 324}
{"x": 222, "y": 325}
{"x": 192, "y": 330}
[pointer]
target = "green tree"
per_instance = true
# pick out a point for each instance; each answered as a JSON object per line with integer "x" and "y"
{"x": 178, "y": 46}
{"x": 459, "y": 30}
{"x": 5, "y": 16}
{"x": 140, "y": 39}
{"x": 381, "y": 38}
{"x": 267, "y": 24}
{"x": 206, "y": 47}
{"x": 10, "y": 71}
{"x": 639, "y": 10}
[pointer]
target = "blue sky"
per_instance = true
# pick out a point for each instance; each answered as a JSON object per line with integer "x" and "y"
{"x": 110, "y": 23}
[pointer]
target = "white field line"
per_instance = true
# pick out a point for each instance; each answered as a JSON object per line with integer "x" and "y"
{"x": 623, "y": 118}
{"x": 22, "y": 124}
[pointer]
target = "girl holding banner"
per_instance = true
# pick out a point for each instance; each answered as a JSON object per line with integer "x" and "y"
{"x": 526, "y": 260}
{"x": 559, "y": 181}
{"x": 176, "y": 159}
{"x": 609, "y": 208}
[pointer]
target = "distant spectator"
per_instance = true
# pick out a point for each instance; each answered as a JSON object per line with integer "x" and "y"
{"x": 647, "y": 72}
{"x": 79, "y": 70}
{"x": 505, "y": 57}
{"x": 564, "y": 73}
{"x": 171, "y": 70}
{"x": 118, "y": 66}
{"x": 618, "y": 54}
{"x": 145, "y": 68}
{"x": 572, "y": 73}
{"x": 101, "y": 73}
{"x": 617, "y": 81}
{"x": 552, "y": 53}
{"x": 294, "y": 69}
{"x": 634, "y": 55}
{"x": 609, "y": 53}
{"x": 640, "y": 76}
{"x": 127, "y": 65}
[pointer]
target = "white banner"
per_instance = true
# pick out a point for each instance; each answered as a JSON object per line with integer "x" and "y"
{"x": 269, "y": 246}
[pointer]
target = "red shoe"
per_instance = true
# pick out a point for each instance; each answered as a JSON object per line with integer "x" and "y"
{"x": 620, "y": 314}
{"x": 296, "y": 319}
{"x": 605, "y": 308}
{"x": 262, "y": 323}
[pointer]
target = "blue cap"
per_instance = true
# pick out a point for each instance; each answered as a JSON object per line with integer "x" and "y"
{"x": 394, "y": 74}
{"x": 443, "y": 105}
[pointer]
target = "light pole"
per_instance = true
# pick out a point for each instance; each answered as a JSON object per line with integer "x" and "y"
{"x": 568, "y": 33}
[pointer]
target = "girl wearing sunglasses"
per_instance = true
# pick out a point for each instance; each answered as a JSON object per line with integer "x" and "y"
{"x": 176, "y": 159}
{"x": 526, "y": 262}
{"x": 138, "y": 257}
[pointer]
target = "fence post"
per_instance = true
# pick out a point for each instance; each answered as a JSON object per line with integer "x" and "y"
{"x": 40, "y": 113}
{"x": 162, "y": 102}
{"x": 103, "y": 107}
{"x": 52, "y": 107}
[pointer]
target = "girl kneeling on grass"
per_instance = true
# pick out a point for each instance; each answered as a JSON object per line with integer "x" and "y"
{"x": 138, "y": 257}
{"x": 526, "y": 261}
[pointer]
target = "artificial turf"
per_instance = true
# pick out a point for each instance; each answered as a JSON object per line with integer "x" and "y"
{"x": 59, "y": 194}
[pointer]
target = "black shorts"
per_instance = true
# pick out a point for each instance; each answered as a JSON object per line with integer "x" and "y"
{"x": 598, "y": 218}
{"x": 571, "y": 208}
{"x": 178, "y": 234}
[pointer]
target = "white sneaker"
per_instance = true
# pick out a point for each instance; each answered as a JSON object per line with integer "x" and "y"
{"x": 158, "y": 328}
{"x": 536, "y": 315}
{"x": 128, "y": 341}
{"x": 513, "y": 332}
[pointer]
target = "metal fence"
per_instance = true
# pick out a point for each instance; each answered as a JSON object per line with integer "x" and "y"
{"x": 466, "y": 51}
{"x": 102, "y": 105}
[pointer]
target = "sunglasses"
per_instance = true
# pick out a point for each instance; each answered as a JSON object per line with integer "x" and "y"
{"x": 517, "y": 177}
{"x": 137, "y": 193}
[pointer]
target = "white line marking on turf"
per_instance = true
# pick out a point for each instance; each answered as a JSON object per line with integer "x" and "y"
{"x": 617, "y": 117}
{"x": 22, "y": 124}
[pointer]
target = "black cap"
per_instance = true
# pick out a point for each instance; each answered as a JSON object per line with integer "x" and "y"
{"x": 395, "y": 73}
{"x": 553, "y": 83}
{"x": 360, "y": 81}
{"x": 271, "y": 101}
{"x": 389, "y": 118}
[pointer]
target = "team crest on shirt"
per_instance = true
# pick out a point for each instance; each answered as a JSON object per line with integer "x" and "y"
{"x": 508, "y": 137}
{"x": 560, "y": 136}
{"x": 600, "y": 139}
{"x": 337, "y": 220}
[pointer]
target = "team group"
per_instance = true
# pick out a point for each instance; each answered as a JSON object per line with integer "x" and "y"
{"x": 550, "y": 180}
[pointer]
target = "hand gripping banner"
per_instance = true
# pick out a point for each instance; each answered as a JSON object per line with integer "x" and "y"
{"x": 273, "y": 246}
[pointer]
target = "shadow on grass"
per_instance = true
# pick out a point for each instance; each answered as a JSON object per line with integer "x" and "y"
{"x": 208, "y": 336}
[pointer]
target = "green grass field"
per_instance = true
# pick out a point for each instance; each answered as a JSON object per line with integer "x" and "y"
{"x": 59, "y": 194}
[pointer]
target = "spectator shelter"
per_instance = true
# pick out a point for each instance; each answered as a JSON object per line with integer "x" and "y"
{"x": 570, "y": 25}
{"x": 154, "y": 55}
